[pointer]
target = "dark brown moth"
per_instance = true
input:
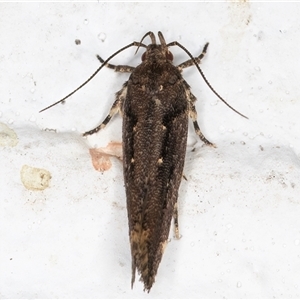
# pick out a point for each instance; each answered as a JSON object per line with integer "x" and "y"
{"x": 156, "y": 103}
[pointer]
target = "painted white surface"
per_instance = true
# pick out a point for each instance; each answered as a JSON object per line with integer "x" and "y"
{"x": 239, "y": 210}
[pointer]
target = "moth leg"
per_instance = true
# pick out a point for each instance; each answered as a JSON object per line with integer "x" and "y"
{"x": 175, "y": 216}
{"x": 197, "y": 129}
{"x": 116, "y": 108}
{"x": 119, "y": 68}
{"x": 193, "y": 115}
{"x": 190, "y": 62}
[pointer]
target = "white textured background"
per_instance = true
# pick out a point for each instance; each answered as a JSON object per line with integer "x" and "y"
{"x": 240, "y": 208}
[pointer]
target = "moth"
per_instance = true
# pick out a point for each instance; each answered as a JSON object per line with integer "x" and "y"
{"x": 156, "y": 103}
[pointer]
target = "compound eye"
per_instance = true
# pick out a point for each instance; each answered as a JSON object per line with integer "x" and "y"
{"x": 169, "y": 56}
{"x": 144, "y": 56}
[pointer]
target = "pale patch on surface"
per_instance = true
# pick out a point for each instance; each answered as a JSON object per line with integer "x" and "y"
{"x": 240, "y": 15}
{"x": 8, "y": 137}
{"x": 101, "y": 156}
{"x": 35, "y": 178}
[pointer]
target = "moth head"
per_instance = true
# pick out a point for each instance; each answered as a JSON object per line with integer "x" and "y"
{"x": 157, "y": 52}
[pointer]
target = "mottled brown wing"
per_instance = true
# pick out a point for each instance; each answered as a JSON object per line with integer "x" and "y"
{"x": 155, "y": 121}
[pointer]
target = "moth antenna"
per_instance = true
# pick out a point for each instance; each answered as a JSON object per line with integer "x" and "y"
{"x": 139, "y": 44}
{"x": 203, "y": 76}
{"x": 152, "y": 37}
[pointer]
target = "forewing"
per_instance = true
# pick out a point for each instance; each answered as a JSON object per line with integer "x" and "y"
{"x": 155, "y": 120}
